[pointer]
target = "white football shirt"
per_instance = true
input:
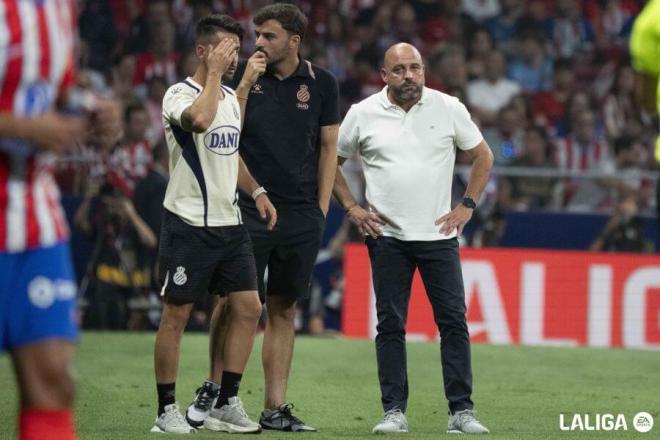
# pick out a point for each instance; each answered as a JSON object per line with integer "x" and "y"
{"x": 203, "y": 166}
{"x": 408, "y": 158}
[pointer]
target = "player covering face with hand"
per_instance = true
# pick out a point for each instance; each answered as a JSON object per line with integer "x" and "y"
{"x": 204, "y": 248}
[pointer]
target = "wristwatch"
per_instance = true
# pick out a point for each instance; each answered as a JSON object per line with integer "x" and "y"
{"x": 468, "y": 202}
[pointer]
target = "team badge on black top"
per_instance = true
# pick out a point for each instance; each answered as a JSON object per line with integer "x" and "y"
{"x": 303, "y": 96}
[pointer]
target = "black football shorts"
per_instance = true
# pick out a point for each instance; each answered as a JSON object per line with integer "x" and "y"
{"x": 196, "y": 261}
{"x": 289, "y": 251}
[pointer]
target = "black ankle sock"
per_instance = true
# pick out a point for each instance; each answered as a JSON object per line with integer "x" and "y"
{"x": 228, "y": 387}
{"x": 165, "y": 396}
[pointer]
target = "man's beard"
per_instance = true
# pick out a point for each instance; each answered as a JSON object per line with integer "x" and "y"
{"x": 274, "y": 58}
{"x": 408, "y": 91}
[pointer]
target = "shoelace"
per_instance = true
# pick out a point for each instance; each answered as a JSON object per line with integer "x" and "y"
{"x": 286, "y": 412}
{"x": 392, "y": 415}
{"x": 241, "y": 411}
{"x": 466, "y": 417}
{"x": 176, "y": 417}
{"x": 204, "y": 399}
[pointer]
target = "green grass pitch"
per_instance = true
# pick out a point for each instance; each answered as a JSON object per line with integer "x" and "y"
{"x": 519, "y": 391}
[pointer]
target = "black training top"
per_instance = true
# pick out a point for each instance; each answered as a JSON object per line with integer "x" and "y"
{"x": 281, "y": 136}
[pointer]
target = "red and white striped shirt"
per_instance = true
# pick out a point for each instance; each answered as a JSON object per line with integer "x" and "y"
{"x": 147, "y": 67}
{"x": 128, "y": 164}
{"x": 36, "y": 66}
{"x": 571, "y": 155}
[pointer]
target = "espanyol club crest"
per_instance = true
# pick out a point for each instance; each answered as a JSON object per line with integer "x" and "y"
{"x": 180, "y": 276}
{"x": 303, "y": 93}
{"x": 222, "y": 140}
{"x": 303, "y": 96}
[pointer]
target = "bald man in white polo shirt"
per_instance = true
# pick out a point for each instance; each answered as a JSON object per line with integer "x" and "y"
{"x": 406, "y": 136}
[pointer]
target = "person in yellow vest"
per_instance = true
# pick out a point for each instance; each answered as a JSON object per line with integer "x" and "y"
{"x": 645, "y": 52}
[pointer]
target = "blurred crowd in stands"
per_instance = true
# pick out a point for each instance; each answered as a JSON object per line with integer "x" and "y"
{"x": 550, "y": 83}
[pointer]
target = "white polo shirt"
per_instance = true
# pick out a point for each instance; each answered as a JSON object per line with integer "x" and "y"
{"x": 203, "y": 166}
{"x": 408, "y": 158}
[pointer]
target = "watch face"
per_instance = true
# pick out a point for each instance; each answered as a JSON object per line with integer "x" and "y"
{"x": 469, "y": 202}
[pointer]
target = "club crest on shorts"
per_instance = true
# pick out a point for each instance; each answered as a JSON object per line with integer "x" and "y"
{"x": 180, "y": 276}
{"x": 303, "y": 96}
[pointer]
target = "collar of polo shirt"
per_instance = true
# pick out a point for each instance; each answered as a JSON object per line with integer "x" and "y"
{"x": 304, "y": 70}
{"x": 385, "y": 101}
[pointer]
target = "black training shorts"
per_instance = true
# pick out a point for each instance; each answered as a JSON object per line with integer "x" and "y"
{"x": 289, "y": 251}
{"x": 195, "y": 261}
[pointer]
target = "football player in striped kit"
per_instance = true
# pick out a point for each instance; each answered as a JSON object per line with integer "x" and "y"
{"x": 37, "y": 289}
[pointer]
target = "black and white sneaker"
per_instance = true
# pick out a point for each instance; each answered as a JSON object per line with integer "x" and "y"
{"x": 203, "y": 402}
{"x": 282, "y": 419}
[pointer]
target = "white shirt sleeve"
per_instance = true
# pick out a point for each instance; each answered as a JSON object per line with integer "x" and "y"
{"x": 466, "y": 132}
{"x": 176, "y": 100}
{"x": 349, "y": 134}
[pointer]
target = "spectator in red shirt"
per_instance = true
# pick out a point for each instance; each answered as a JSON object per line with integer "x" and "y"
{"x": 130, "y": 161}
{"x": 550, "y": 106}
{"x": 585, "y": 150}
{"x": 160, "y": 59}
{"x": 579, "y": 101}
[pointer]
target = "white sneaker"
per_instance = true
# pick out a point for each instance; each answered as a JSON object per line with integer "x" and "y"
{"x": 393, "y": 421}
{"x": 231, "y": 418}
{"x": 464, "y": 422}
{"x": 172, "y": 421}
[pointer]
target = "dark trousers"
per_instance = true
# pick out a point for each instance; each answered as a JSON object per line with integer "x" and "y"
{"x": 393, "y": 264}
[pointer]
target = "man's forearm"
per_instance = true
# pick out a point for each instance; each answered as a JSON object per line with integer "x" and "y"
{"x": 145, "y": 234}
{"x": 202, "y": 112}
{"x": 479, "y": 175}
{"x": 327, "y": 165}
{"x": 326, "y": 176}
{"x": 11, "y": 126}
{"x": 342, "y": 192}
{"x": 246, "y": 182}
{"x": 242, "y": 95}
{"x": 80, "y": 219}
{"x": 254, "y": 67}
